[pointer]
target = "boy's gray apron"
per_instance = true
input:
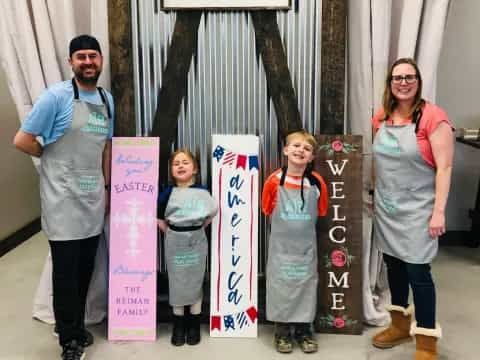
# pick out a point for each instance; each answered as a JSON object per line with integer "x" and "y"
{"x": 292, "y": 275}
{"x": 404, "y": 195}
{"x": 186, "y": 245}
{"x": 72, "y": 187}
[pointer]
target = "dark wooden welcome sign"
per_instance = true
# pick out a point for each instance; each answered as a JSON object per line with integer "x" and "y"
{"x": 339, "y": 235}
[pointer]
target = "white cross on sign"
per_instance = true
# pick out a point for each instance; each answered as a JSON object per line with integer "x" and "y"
{"x": 133, "y": 218}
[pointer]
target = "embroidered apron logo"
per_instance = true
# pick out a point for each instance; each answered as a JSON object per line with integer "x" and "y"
{"x": 389, "y": 203}
{"x": 187, "y": 258}
{"x": 191, "y": 207}
{"x": 294, "y": 271}
{"x": 96, "y": 123}
{"x": 388, "y": 145}
{"x": 293, "y": 211}
{"x": 88, "y": 183}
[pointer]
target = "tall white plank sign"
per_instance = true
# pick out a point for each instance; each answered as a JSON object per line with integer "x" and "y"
{"x": 233, "y": 299}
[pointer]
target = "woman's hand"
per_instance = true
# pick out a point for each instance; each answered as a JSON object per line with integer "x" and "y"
{"x": 162, "y": 224}
{"x": 436, "y": 227}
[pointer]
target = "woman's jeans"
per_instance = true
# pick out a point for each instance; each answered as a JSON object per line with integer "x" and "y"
{"x": 402, "y": 274}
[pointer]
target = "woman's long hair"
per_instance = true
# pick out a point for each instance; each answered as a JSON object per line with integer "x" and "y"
{"x": 390, "y": 102}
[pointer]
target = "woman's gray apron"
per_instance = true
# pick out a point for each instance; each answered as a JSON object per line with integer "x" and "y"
{"x": 186, "y": 245}
{"x": 404, "y": 196}
{"x": 292, "y": 275}
{"x": 72, "y": 187}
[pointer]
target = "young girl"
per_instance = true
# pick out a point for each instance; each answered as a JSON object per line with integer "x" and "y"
{"x": 184, "y": 211}
{"x": 294, "y": 197}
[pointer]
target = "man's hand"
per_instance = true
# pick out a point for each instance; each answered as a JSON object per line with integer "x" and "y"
{"x": 27, "y": 143}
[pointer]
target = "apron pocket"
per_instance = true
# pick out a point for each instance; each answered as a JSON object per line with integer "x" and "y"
{"x": 294, "y": 268}
{"x": 86, "y": 184}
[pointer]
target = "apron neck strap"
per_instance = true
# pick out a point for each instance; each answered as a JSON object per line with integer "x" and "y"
{"x": 75, "y": 89}
{"x": 307, "y": 174}
{"x": 284, "y": 174}
{"x": 104, "y": 100}
{"x": 100, "y": 91}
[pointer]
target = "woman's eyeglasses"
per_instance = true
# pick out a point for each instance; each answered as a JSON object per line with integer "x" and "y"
{"x": 409, "y": 79}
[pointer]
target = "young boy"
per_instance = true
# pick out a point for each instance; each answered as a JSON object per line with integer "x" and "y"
{"x": 294, "y": 197}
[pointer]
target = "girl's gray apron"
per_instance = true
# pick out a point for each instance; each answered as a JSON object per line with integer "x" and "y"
{"x": 292, "y": 275}
{"x": 72, "y": 187}
{"x": 404, "y": 195}
{"x": 186, "y": 247}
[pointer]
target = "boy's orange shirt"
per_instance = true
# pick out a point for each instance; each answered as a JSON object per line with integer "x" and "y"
{"x": 270, "y": 191}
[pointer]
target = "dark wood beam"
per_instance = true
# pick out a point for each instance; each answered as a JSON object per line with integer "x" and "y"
{"x": 279, "y": 82}
{"x": 334, "y": 20}
{"x": 174, "y": 84}
{"x": 121, "y": 65}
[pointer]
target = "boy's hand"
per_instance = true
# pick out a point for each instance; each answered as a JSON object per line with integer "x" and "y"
{"x": 162, "y": 224}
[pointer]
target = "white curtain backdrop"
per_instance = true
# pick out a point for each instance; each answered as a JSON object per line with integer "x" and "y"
{"x": 34, "y": 39}
{"x": 379, "y": 32}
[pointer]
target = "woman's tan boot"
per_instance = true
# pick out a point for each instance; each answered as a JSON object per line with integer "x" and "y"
{"x": 398, "y": 331}
{"x": 426, "y": 341}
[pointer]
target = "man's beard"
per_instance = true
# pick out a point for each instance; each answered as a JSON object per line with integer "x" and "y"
{"x": 91, "y": 80}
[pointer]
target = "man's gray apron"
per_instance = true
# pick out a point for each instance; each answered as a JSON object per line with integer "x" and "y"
{"x": 186, "y": 245}
{"x": 292, "y": 275}
{"x": 404, "y": 196}
{"x": 72, "y": 187}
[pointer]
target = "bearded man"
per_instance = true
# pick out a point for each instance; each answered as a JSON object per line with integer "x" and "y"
{"x": 74, "y": 119}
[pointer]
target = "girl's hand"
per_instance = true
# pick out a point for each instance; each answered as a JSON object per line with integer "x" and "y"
{"x": 162, "y": 224}
{"x": 436, "y": 227}
{"x": 207, "y": 222}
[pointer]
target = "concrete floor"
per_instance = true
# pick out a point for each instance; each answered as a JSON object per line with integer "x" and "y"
{"x": 456, "y": 271}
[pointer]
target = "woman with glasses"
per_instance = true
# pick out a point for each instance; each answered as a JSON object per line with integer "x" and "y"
{"x": 413, "y": 152}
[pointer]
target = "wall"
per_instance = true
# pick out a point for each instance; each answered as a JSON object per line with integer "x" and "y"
{"x": 227, "y": 88}
{"x": 20, "y": 203}
{"x": 458, "y": 92}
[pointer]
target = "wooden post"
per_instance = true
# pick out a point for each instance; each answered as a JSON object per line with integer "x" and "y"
{"x": 174, "y": 84}
{"x": 121, "y": 59}
{"x": 279, "y": 81}
{"x": 334, "y": 18}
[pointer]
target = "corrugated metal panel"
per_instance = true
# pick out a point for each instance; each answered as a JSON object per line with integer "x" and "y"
{"x": 227, "y": 90}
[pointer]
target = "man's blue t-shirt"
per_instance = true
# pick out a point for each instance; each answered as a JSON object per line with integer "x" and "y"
{"x": 52, "y": 113}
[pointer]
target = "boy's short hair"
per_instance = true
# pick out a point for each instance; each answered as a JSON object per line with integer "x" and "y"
{"x": 305, "y": 135}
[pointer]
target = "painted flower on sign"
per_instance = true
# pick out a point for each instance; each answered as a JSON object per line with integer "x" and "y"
{"x": 338, "y": 258}
{"x": 337, "y": 145}
{"x": 339, "y": 323}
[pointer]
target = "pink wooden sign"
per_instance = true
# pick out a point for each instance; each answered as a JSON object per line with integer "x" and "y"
{"x": 133, "y": 239}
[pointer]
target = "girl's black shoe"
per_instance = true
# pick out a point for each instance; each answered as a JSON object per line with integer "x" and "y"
{"x": 178, "y": 331}
{"x": 193, "y": 329}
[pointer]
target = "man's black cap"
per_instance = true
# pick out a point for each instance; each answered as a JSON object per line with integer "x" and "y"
{"x": 84, "y": 42}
